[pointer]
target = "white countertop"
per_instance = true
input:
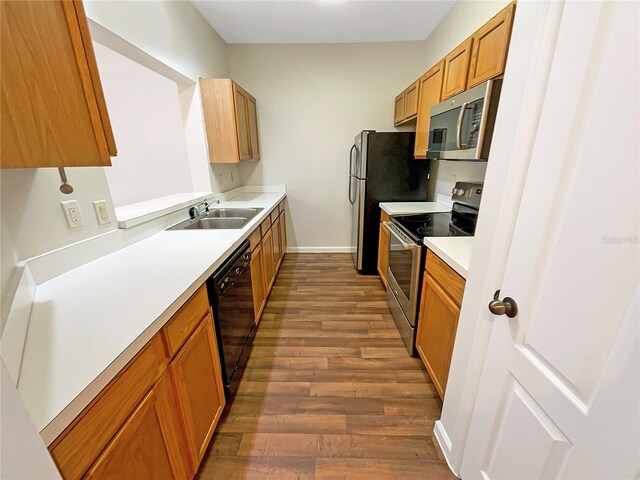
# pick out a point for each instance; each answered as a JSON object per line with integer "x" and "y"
{"x": 454, "y": 251}
{"x": 86, "y": 324}
{"x": 405, "y": 208}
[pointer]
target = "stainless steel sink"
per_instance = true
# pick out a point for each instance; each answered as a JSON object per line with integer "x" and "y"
{"x": 216, "y": 223}
{"x": 247, "y": 213}
{"x": 219, "y": 219}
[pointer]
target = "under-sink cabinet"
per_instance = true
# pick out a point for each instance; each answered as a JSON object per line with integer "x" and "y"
{"x": 442, "y": 291}
{"x": 54, "y": 110}
{"x": 268, "y": 244}
{"x": 231, "y": 121}
{"x": 156, "y": 417}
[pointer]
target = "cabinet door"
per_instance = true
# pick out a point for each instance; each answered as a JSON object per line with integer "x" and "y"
{"x": 138, "y": 450}
{"x": 436, "y": 334}
{"x": 456, "y": 68}
{"x": 257, "y": 281}
{"x": 197, "y": 378}
{"x": 383, "y": 253}
{"x": 283, "y": 233}
{"x": 51, "y": 87}
{"x": 253, "y": 128}
{"x": 490, "y": 46}
{"x": 267, "y": 249}
{"x": 242, "y": 123}
{"x": 411, "y": 101}
{"x": 277, "y": 245}
{"x": 430, "y": 93}
{"x": 398, "y": 111}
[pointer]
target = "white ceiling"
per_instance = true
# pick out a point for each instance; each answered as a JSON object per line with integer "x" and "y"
{"x": 323, "y": 21}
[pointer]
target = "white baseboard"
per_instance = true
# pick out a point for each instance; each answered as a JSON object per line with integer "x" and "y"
{"x": 319, "y": 249}
{"x": 445, "y": 444}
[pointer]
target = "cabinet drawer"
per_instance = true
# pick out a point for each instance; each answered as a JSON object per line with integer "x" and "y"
{"x": 79, "y": 445}
{"x": 185, "y": 320}
{"x": 274, "y": 215}
{"x": 265, "y": 225}
{"x": 281, "y": 206}
{"x": 384, "y": 216}
{"x": 447, "y": 278}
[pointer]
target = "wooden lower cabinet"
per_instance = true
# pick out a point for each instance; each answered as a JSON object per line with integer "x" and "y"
{"x": 268, "y": 245}
{"x": 383, "y": 248}
{"x": 139, "y": 449}
{"x": 277, "y": 245}
{"x": 257, "y": 282}
{"x": 197, "y": 378}
{"x": 268, "y": 270}
{"x": 438, "y": 322}
{"x": 155, "y": 419}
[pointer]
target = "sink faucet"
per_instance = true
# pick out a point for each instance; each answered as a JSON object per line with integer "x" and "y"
{"x": 199, "y": 209}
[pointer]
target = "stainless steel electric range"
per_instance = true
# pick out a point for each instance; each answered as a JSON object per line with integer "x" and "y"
{"x": 407, "y": 252}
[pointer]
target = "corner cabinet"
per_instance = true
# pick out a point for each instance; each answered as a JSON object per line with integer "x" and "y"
{"x": 231, "y": 121}
{"x": 442, "y": 291}
{"x": 156, "y": 418}
{"x": 54, "y": 111}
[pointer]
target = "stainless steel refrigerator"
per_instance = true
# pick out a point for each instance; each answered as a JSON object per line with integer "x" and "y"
{"x": 381, "y": 169}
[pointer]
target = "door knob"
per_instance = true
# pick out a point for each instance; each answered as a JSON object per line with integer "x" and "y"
{"x": 507, "y": 307}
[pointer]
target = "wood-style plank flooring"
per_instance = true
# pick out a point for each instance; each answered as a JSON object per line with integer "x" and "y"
{"x": 330, "y": 390}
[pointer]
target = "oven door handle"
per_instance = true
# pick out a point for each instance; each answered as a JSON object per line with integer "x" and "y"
{"x": 408, "y": 246}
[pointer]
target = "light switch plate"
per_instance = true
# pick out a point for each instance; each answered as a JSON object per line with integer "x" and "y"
{"x": 102, "y": 212}
{"x": 72, "y": 213}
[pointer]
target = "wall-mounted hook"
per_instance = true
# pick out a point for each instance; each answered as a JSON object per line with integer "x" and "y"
{"x": 65, "y": 187}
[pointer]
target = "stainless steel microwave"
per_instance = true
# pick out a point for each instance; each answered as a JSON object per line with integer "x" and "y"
{"x": 461, "y": 127}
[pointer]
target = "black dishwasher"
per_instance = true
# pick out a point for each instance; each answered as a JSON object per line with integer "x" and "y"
{"x": 231, "y": 297}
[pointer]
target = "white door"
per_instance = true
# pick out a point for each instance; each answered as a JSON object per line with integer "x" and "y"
{"x": 559, "y": 395}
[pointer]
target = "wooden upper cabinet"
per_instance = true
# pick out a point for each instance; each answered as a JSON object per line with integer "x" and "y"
{"x": 490, "y": 47}
{"x": 406, "y": 104}
{"x": 231, "y": 121}
{"x": 411, "y": 101}
{"x": 53, "y": 108}
{"x": 456, "y": 68}
{"x": 430, "y": 93}
{"x": 398, "y": 109}
{"x": 252, "y": 113}
{"x": 242, "y": 123}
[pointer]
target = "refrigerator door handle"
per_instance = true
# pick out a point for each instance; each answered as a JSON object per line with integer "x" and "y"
{"x": 351, "y": 174}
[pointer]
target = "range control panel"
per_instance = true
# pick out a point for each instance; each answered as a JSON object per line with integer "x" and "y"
{"x": 467, "y": 193}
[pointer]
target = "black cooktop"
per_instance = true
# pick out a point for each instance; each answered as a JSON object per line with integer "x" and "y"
{"x": 460, "y": 222}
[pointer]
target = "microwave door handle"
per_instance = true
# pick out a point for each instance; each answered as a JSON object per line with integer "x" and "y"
{"x": 463, "y": 109}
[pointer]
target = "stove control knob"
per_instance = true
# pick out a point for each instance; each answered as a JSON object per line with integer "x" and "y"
{"x": 457, "y": 191}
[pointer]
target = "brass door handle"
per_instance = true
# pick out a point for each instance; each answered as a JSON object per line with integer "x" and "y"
{"x": 507, "y": 307}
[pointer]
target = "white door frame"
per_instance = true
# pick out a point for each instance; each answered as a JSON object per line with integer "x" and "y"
{"x": 530, "y": 55}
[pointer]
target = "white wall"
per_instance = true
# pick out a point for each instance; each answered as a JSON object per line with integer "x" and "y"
{"x": 145, "y": 113}
{"x": 312, "y": 101}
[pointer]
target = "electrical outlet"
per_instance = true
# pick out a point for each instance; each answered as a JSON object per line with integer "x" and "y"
{"x": 102, "y": 212}
{"x": 72, "y": 213}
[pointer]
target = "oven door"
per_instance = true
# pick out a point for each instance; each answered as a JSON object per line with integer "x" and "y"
{"x": 404, "y": 271}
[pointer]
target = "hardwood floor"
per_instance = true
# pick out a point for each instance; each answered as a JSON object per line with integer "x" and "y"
{"x": 330, "y": 390}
